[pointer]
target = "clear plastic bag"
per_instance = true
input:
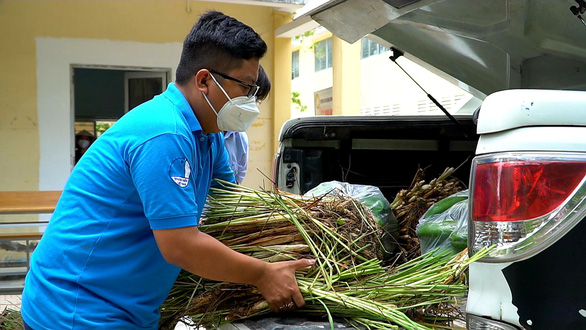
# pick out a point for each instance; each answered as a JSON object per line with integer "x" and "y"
{"x": 369, "y": 196}
{"x": 374, "y": 200}
{"x": 445, "y": 224}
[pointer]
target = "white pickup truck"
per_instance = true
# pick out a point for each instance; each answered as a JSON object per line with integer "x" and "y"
{"x": 526, "y": 61}
{"x": 528, "y": 198}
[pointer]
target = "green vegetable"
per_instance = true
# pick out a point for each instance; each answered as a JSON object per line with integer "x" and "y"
{"x": 459, "y": 240}
{"x": 433, "y": 229}
{"x": 378, "y": 206}
{"x": 444, "y": 204}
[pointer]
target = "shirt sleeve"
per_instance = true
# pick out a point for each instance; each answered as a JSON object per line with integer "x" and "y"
{"x": 237, "y": 147}
{"x": 162, "y": 171}
{"x": 222, "y": 169}
{"x": 242, "y": 156}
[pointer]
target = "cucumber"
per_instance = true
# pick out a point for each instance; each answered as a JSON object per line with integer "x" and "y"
{"x": 459, "y": 240}
{"x": 435, "y": 231}
{"x": 442, "y": 205}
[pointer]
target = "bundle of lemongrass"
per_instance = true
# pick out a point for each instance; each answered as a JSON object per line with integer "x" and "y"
{"x": 411, "y": 204}
{"x": 348, "y": 280}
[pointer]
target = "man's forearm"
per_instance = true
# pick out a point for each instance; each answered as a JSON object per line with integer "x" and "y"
{"x": 207, "y": 257}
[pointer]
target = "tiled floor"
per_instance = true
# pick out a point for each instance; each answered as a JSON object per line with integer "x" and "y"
{"x": 12, "y": 302}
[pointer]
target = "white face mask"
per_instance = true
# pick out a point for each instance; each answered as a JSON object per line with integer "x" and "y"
{"x": 237, "y": 114}
{"x": 83, "y": 143}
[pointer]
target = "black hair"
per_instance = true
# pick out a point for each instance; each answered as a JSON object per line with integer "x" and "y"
{"x": 218, "y": 42}
{"x": 264, "y": 84}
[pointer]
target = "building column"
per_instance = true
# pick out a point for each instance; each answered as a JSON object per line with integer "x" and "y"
{"x": 346, "y": 91}
{"x": 282, "y": 78}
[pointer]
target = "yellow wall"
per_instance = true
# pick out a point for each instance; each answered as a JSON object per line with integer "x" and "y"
{"x": 142, "y": 21}
{"x": 346, "y": 75}
{"x": 282, "y": 79}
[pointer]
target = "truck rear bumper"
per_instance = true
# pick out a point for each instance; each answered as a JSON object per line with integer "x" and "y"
{"x": 475, "y": 322}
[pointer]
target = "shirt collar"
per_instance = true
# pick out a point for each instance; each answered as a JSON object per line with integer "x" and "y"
{"x": 174, "y": 95}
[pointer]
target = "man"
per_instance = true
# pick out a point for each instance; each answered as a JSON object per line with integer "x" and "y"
{"x": 126, "y": 222}
{"x": 237, "y": 142}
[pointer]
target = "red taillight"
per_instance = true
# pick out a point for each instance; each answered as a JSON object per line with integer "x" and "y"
{"x": 522, "y": 190}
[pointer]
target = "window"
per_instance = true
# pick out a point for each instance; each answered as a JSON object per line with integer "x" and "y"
{"x": 323, "y": 54}
{"x": 295, "y": 65}
{"x": 370, "y": 48}
{"x": 140, "y": 87}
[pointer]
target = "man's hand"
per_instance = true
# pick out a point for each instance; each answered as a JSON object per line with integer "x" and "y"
{"x": 279, "y": 286}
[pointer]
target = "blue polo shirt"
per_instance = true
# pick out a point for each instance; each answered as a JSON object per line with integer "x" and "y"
{"x": 98, "y": 264}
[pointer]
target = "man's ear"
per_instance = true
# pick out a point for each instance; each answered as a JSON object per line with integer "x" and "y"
{"x": 201, "y": 80}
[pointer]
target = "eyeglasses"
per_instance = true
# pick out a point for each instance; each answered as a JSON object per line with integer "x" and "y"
{"x": 253, "y": 87}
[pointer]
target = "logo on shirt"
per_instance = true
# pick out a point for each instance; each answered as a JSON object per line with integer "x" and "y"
{"x": 180, "y": 172}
